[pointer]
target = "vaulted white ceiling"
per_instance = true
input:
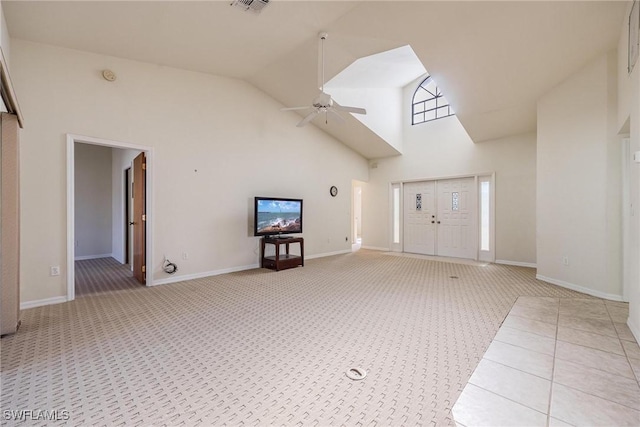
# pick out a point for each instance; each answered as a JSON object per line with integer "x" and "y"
{"x": 493, "y": 60}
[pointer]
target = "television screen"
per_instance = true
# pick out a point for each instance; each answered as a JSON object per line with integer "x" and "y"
{"x": 277, "y": 216}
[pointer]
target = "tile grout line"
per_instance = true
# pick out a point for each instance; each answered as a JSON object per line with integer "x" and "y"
{"x": 528, "y": 318}
{"x": 505, "y": 397}
{"x": 605, "y": 372}
{"x": 553, "y": 365}
{"x": 552, "y": 381}
{"x": 599, "y": 397}
{"x": 624, "y": 349}
{"x": 516, "y": 369}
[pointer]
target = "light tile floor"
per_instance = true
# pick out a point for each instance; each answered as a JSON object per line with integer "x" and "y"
{"x": 556, "y": 362}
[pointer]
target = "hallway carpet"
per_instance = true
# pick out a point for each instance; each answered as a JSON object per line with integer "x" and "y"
{"x": 100, "y": 275}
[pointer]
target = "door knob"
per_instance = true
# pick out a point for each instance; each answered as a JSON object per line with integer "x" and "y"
{"x": 438, "y": 222}
{"x": 132, "y": 223}
{"x": 432, "y": 222}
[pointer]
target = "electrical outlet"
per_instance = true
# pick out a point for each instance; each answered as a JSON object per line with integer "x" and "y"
{"x": 185, "y": 255}
{"x": 565, "y": 260}
{"x": 55, "y": 270}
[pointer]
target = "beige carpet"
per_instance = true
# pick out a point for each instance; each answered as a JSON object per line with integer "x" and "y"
{"x": 266, "y": 348}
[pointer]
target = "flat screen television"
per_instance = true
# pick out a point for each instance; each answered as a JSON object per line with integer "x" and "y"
{"x": 273, "y": 216}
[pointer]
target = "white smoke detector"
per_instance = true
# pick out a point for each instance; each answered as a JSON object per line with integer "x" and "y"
{"x": 254, "y": 6}
{"x": 109, "y": 75}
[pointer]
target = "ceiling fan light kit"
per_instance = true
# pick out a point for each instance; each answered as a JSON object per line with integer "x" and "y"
{"x": 323, "y": 103}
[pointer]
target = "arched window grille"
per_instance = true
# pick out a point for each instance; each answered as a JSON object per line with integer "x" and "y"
{"x": 428, "y": 103}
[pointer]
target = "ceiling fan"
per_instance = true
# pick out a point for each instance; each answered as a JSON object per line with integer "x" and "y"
{"x": 323, "y": 103}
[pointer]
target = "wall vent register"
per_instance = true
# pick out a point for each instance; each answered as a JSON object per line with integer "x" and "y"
{"x": 254, "y": 6}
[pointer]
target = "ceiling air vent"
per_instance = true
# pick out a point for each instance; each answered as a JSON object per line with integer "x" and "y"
{"x": 255, "y": 6}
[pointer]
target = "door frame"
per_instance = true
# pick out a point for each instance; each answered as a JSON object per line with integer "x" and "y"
{"x": 627, "y": 161}
{"x": 476, "y": 176}
{"x": 71, "y": 141}
{"x": 127, "y": 216}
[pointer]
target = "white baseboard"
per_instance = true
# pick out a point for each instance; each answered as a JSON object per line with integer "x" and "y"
{"x": 635, "y": 330}
{"x": 184, "y": 277}
{"x": 375, "y": 248}
{"x": 83, "y": 257}
{"x": 516, "y": 263}
{"x": 346, "y": 251}
{"x": 573, "y": 287}
{"x": 232, "y": 270}
{"x": 40, "y": 302}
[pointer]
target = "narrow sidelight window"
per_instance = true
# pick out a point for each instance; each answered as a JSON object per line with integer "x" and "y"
{"x": 485, "y": 197}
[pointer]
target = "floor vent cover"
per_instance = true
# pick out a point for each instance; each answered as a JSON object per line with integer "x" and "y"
{"x": 356, "y": 374}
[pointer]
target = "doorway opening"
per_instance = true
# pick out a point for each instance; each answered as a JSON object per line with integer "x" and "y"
{"x": 108, "y": 215}
{"x": 356, "y": 217}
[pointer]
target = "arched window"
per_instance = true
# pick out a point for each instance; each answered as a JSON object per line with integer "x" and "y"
{"x": 428, "y": 103}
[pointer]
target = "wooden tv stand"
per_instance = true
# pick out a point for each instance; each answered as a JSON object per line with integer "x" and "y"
{"x": 281, "y": 261}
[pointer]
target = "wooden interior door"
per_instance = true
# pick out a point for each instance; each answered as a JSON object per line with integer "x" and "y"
{"x": 139, "y": 218}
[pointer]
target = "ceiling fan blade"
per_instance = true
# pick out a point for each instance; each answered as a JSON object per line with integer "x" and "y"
{"x": 295, "y": 108}
{"x": 355, "y": 110}
{"x": 307, "y": 119}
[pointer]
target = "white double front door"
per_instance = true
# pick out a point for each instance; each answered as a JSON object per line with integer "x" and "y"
{"x": 440, "y": 218}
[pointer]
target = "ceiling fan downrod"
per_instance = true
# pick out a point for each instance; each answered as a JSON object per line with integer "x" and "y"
{"x": 323, "y": 36}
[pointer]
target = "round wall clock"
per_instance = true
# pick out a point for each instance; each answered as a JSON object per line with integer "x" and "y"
{"x": 333, "y": 191}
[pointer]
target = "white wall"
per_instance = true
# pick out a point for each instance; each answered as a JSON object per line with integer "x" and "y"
{"x": 579, "y": 181}
{"x": 121, "y": 160}
{"x": 92, "y": 200}
{"x": 218, "y": 142}
{"x": 442, "y": 148}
